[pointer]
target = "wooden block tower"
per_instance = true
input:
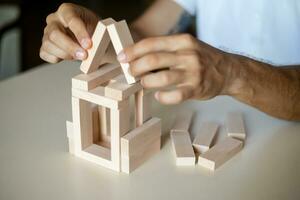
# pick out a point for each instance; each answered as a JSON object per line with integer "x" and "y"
{"x": 102, "y": 130}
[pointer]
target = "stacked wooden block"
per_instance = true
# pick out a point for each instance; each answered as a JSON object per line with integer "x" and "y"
{"x": 102, "y": 131}
{"x": 210, "y": 155}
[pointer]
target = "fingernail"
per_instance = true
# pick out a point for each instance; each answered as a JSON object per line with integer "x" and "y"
{"x": 80, "y": 54}
{"x": 86, "y": 43}
{"x": 121, "y": 57}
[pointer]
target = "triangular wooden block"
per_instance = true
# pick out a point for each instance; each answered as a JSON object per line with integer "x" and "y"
{"x": 102, "y": 52}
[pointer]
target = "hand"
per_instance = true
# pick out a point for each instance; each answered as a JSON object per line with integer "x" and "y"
{"x": 68, "y": 33}
{"x": 196, "y": 69}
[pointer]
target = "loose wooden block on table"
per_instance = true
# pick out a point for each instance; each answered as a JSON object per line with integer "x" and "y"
{"x": 131, "y": 163}
{"x": 220, "y": 153}
{"x": 183, "y": 121}
{"x": 142, "y": 107}
{"x": 101, "y": 41}
{"x": 120, "y": 90}
{"x": 140, "y": 144}
{"x": 102, "y": 75}
{"x": 121, "y": 38}
{"x": 235, "y": 125}
{"x": 137, "y": 139}
{"x": 183, "y": 149}
{"x": 205, "y": 137}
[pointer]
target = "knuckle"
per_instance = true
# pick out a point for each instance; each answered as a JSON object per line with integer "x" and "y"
{"x": 49, "y": 18}
{"x": 54, "y": 34}
{"x": 165, "y": 78}
{"x": 151, "y": 60}
{"x": 64, "y": 6}
{"x": 189, "y": 39}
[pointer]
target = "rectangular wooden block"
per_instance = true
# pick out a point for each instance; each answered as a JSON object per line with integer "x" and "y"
{"x": 142, "y": 107}
{"x": 183, "y": 148}
{"x": 121, "y": 38}
{"x": 235, "y": 125}
{"x": 120, "y": 90}
{"x": 120, "y": 124}
{"x": 141, "y": 137}
{"x": 100, "y": 41}
{"x": 96, "y": 96}
{"x": 131, "y": 163}
{"x": 69, "y": 126}
{"x": 82, "y": 124}
{"x": 205, "y": 137}
{"x": 183, "y": 121}
{"x": 220, "y": 153}
{"x": 92, "y": 80}
{"x": 104, "y": 115}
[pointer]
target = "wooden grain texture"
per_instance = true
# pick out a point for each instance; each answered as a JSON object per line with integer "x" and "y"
{"x": 82, "y": 124}
{"x": 183, "y": 121}
{"x": 96, "y": 96}
{"x": 139, "y": 138}
{"x": 235, "y": 125}
{"x": 120, "y": 90}
{"x": 121, "y": 38}
{"x": 92, "y": 80}
{"x": 220, "y": 153}
{"x": 182, "y": 147}
{"x": 205, "y": 137}
{"x": 96, "y": 53}
{"x": 129, "y": 164}
{"x": 142, "y": 107}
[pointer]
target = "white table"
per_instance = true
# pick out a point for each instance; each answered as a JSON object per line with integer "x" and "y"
{"x": 35, "y": 164}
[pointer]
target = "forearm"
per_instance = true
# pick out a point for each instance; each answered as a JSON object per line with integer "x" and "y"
{"x": 274, "y": 90}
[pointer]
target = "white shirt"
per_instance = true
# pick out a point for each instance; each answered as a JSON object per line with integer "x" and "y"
{"x": 265, "y": 30}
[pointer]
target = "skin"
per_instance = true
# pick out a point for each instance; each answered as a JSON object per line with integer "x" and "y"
{"x": 178, "y": 66}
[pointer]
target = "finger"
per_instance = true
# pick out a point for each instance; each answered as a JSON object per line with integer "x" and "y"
{"x": 48, "y": 57}
{"x": 69, "y": 15}
{"x": 54, "y": 50}
{"x": 162, "y": 79}
{"x": 64, "y": 42}
{"x": 176, "y": 96}
{"x": 155, "y": 44}
{"x": 153, "y": 61}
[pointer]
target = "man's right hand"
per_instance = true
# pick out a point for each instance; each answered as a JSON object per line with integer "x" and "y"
{"x": 67, "y": 35}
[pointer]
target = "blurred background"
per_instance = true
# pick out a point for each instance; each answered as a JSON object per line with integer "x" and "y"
{"x": 22, "y": 23}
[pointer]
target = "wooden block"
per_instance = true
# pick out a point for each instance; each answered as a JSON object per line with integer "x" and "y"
{"x": 141, "y": 137}
{"x": 142, "y": 107}
{"x": 120, "y": 124}
{"x": 82, "y": 124}
{"x": 120, "y": 90}
{"x": 220, "y": 153}
{"x": 183, "y": 148}
{"x": 205, "y": 137}
{"x": 69, "y": 126}
{"x": 183, "y": 121}
{"x": 90, "y": 81}
{"x": 96, "y": 96}
{"x": 131, "y": 163}
{"x": 235, "y": 126}
{"x": 100, "y": 41}
{"x": 96, "y": 124}
{"x": 104, "y": 121}
{"x": 121, "y": 38}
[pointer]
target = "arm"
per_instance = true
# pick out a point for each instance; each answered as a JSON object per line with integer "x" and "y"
{"x": 274, "y": 90}
{"x": 202, "y": 72}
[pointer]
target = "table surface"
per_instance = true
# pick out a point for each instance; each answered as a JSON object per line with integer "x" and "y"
{"x": 35, "y": 164}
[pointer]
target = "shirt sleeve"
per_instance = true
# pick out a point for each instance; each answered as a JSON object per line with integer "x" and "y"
{"x": 188, "y": 5}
